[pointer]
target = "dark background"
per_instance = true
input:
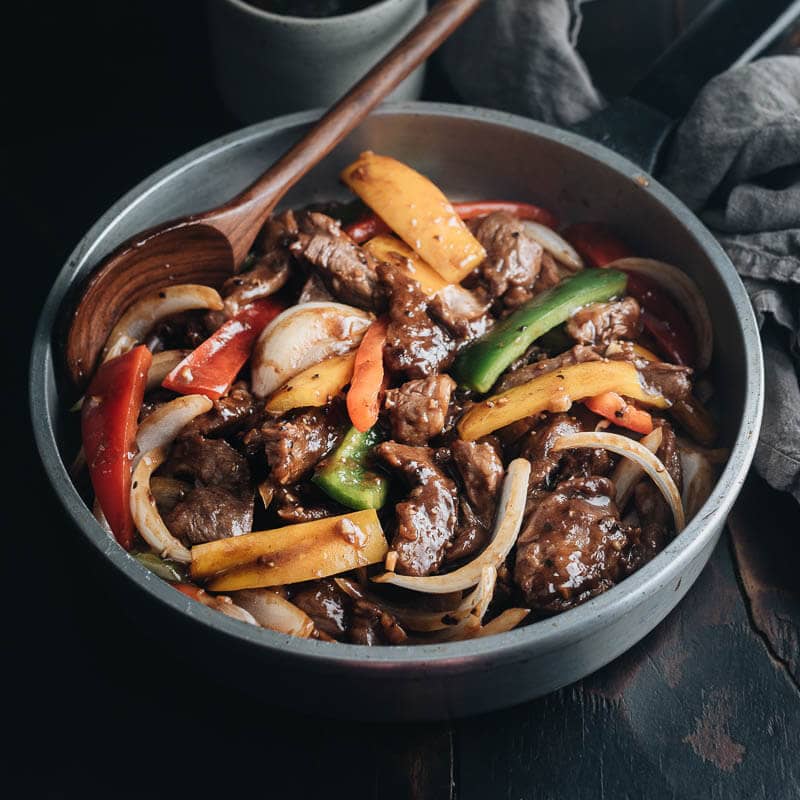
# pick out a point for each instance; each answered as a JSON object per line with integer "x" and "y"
{"x": 96, "y": 96}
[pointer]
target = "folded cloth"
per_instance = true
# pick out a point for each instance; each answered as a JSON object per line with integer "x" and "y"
{"x": 735, "y": 161}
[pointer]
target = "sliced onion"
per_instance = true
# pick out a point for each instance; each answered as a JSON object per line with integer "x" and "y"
{"x": 509, "y": 521}
{"x": 162, "y": 364}
{"x": 558, "y": 247}
{"x": 272, "y": 611}
{"x": 687, "y": 294}
{"x": 698, "y": 479}
{"x": 506, "y": 621}
{"x": 168, "y": 420}
{"x": 415, "y": 619}
{"x": 226, "y": 606}
{"x": 628, "y": 473}
{"x": 632, "y": 449}
{"x": 140, "y": 317}
{"x": 145, "y": 514}
{"x": 302, "y": 336}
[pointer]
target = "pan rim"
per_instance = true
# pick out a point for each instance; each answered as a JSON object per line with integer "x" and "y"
{"x": 455, "y": 657}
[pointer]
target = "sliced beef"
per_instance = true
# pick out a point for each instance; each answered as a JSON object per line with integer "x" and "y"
{"x": 426, "y": 521}
{"x": 303, "y": 502}
{"x": 295, "y": 443}
{"x": 548, "y": 467}
{"x": 278, "y": 231}
{"x": 209, "y": 513}
{"x": 268, "y": 275}
{"x": 235, "y": 411}
{"x": 549, "y": 274}
{"x": 326, "y": 604}
{"x": 314, "y": 291}
{"x": 462, "y": 313}
{"x": 209, "y": 462}
{"x": 481, "y": 471}
{"x": 603, "y": 323}
{"x": 573, "y": 545}
{"x": 220, "y": 503}
{"x": 183, "y": 331}
{"x": 415, "y": 345}
{"x": 371, "y": 625}
{"x": 418, "y": 409}
{"x": 653, "y": 510}
{"x": 513, "y": 258}
{"x": 348, "y": 271}
{"x": 670, "y": 380}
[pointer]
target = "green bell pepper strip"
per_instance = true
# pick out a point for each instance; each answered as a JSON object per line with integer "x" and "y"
{"x": 480, "y": 364}
{"x": 345, "y": 476}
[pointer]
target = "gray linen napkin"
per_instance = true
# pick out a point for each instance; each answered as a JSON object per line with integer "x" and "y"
{"x": 735, "y": 161}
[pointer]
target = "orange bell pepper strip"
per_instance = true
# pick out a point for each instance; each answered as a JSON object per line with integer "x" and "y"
{"x": 363, "y": 398}
{"x": 109, "y": 421}
{"x": 211, "y": 368}
{"x": 372, "y": 225}
{"x": 613, "y": 406}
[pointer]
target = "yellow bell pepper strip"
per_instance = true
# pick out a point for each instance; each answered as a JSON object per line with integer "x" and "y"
{"x": 315, "y": 386}
{"x": 556, "y": 391}
{"x": 291, "y": 554}
{"x": 346, "y": 477}
{"x": 417, "y": 211}
{"x": 392, "y": 250}
{"x": 481, "y": 363}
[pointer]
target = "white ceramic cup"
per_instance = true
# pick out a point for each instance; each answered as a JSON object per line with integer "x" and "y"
{"x": 270, "y": 64}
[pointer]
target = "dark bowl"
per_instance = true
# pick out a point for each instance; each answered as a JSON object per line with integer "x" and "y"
{"x": 471, "y": 153}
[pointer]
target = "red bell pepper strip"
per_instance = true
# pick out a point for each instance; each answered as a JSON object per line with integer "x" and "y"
{"x": 661, "y": 318}
{"x": 371, "y": 225}
{"x": 596, "y": 243}
{"x": 613, "y": 407}
{"x": 211, "y": 368}
{"x": 365, "y": 386}
{"x": 109, "y": 420}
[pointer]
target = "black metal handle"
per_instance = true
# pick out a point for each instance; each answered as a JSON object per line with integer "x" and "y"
{"x": 726, "y": 34}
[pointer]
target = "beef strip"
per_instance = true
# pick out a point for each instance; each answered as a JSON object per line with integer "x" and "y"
{"x": 603, "y": 323}
{"x": 184, "y": 331}
{"x": 209, "y": 513}
{"x": 268, "y": 275}
{"x": 278, "y": 231}
{"x": 513, "y": 258}
{"x": 462, "y": 313}
{"x": 482, "y": 471}
{"x": 314, "y": 291}
{"x": 371, "y": 625}
{"x": 573, "y": 545}
{"x": 295, "y": 443}
{"x": 235, "y": 411}
{"x": 348, "y": 271}
{"x": 549, "y": 274}
{"x": 418, "y": 409}
{"x": 303, "y": 502}
{"x": 326, "y": 604}
{"x": 415, "y": 345}
{"x": 220, "y": 503}
{"x": 426, "y": 520}
{"x": 548, "y": 467}
{"x": 653, "y": 510}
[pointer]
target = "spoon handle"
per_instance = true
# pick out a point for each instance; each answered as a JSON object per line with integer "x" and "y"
{"x": 242, "y": 217}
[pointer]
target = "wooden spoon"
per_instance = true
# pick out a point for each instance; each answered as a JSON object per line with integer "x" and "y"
{"x": 209, "y": 247}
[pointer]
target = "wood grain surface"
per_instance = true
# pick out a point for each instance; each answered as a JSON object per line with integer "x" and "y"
{"x": 707, "y": 706}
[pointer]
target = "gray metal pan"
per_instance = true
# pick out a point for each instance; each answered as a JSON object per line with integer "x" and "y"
{"x": 471, "y": 153}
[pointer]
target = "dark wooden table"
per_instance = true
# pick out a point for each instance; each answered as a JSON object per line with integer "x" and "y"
{"x": 708, "y": 705}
